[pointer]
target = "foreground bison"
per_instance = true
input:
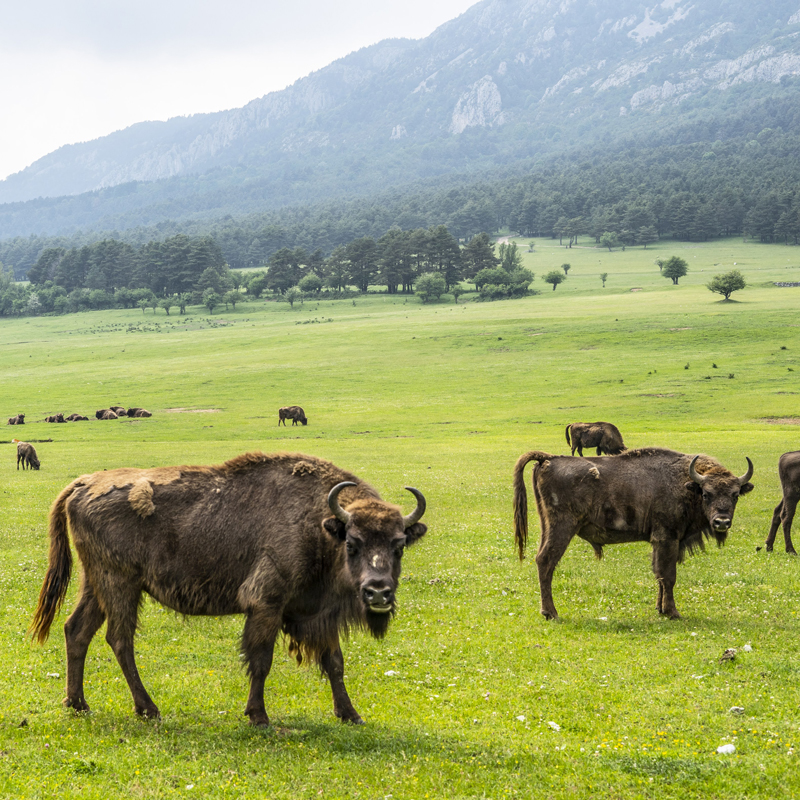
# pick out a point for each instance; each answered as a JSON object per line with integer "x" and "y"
{"x": 602, "y": 435}
{"x": 26, "y": 453}
{"x": 789, "y": 473}
{"x": 669, "y": 499}
{"x": 294, "y": 543}
{"x": 18, "y": 420}
{"x": 294, "y": 413}
{"x": 105, "y": 413}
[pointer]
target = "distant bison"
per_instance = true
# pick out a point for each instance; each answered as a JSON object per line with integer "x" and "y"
{"x": 55, "y": 418}
{"x": 76, "y": 418}
{"x": 105, "y": 413}
{"x": 602, "y": 435}
{"x": 294, "y": 413}
{"x": 648, "y": 495}
{"x": 789, "y": 473}
{"x": 26, "y": 453}
{"x": 142, "y": 412}
{"x": 118, "y": 410}
{"x": 297, "y": 545}
{"x": 18, "y": 420}
{"x": 131, "y": 412}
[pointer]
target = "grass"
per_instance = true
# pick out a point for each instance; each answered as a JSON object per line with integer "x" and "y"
{"x": 460, "y": 696}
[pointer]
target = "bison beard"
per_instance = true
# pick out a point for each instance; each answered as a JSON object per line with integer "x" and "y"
{"x": 261, "y": 535}
{"x": 647, "y": 495}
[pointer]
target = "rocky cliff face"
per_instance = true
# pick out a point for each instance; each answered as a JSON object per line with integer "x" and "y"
{"x": 539, "y": 64}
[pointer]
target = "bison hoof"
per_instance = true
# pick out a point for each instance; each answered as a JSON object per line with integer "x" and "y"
{"x": 258, "y": 719}
{"x": 549, "y": 614}
{"x": 149, "y": 712}
{"x": 792, "y": 552}
{"x": 356, "y": 720}
{"x": 78, "y": 703}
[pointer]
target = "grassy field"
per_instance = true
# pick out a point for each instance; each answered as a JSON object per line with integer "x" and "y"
{"x": 472, "y": 693}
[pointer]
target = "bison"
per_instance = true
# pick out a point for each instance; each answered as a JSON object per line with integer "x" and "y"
{"x": 131, "y": 412}
{"x": 55, "y": 418}
{"x": 18, "y": 420}
{"x": 142, "y": 412}
{"x": 789, "y": 473}
{"x": 293, "y": 542}
{"x": 669, "y": 499}
{"x": 26, "y": 453}
{"x": 294, "y": 413}
{"x": 602, "y": 435}
{"x": 76, "y": 418}
{"x": 105, "y": 413}
{"x": 118, "y": 410}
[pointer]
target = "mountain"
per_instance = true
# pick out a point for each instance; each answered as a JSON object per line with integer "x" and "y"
{"x": 507, "y": 82}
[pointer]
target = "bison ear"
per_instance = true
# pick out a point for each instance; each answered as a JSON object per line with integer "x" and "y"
{"x": 691, "y": 486}
{"x": 746, "y": 487}
{"x": 415, "y": 531}
{"x": 335, "y": 527}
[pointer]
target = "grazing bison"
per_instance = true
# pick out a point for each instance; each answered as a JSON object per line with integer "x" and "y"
{"x": 647, "y": 495}
{"x": 294, "y": 413}
{"x": 26, "y": 453}
{"x": 105, "y": 413}
{"x": 142, "y": 412}
{"x": 18, "y": 420}
{"x": 602, "y": 435}
{"x": 789, "y": 473}
{"x": 55, "y": 418}
{"x": 294, "y": 543}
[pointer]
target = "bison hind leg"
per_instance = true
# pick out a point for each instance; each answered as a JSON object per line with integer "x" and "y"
{"x": 79, "y": 630}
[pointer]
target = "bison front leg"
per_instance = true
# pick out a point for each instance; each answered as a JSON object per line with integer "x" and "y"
{"x": 332, "y": 663}
{"x": 258, "y": 645}
{"x": 787, "y": 517}
{"x": 79, "y": 630}
{"x": 665, "y": 568}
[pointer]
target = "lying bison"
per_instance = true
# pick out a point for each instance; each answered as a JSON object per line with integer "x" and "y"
{"x": 105, "y": 413}
{"x": 294, "y": 413}
{"x": 18, "y": 420}
{"x": 26, "y": 453}
{"x": 55, "y": 418}
{"x": 602, "y": 435}
{"x": 76, "y": 418}
{"x": 789, "y": 473}
{"x": 142, "y": 412}
{"x": 131, "y": 412}
{"x": 118, "y": 410}
{"x": 648, "y": 495}
{"x": 296, "y": 544}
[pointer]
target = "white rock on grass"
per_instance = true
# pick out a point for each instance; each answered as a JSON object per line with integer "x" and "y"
{"x": 726, "y": 749}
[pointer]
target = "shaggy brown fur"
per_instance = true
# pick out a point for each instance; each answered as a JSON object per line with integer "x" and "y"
{"x": 602, "y": 435}
{"x": 18, "y": 420}
{"x": 118, "y": 410}
{"x": 142, "y": 412}
{"x": 294, "y": 413}
{"x": 55, "y": 418}
{"x": 105, "y": 413}
{"x": 789, "y": 473}
{"x": 26, "y": 453}
{"x": 76, "y": 418}
{"x": 644, "y": 495}
{"x": 132, "y": 411}
{"x": 252, "y": 536}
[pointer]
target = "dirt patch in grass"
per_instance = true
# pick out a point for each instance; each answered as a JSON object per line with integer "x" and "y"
{"x": 192, "y": 410}
{"x": 781, "y": 420}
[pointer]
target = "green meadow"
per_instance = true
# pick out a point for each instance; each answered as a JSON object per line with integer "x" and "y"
{"x": 472, "y": 693}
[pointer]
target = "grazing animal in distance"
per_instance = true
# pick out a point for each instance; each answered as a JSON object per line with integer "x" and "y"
{"x": 142, "y": 412}
{"x": 18, "y": 420}
{"x": 293, "y": 542}
{"x": 602, "y": 435}
{"x": 26, "y": 453}
{"x": 789, "y": 473}
{"x": 294, "y": 413}
{"x": 647, "y": 495}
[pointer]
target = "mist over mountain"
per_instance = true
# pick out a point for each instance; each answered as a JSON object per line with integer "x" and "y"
{"x": 508, "y": 82}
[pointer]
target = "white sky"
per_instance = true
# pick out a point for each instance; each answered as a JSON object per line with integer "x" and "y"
{"x": 75, "y": 70}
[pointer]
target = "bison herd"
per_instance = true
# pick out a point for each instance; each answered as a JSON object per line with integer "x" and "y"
{"x": 318, "y": 552}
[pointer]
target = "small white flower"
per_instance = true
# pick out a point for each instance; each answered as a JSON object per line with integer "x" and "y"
{"x": 726, "y": 749}
{"x": 555, "y": 726}
{"x": 747, "y": 648}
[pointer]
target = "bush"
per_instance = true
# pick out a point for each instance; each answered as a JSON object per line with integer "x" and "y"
{"x": 430, "y": 286}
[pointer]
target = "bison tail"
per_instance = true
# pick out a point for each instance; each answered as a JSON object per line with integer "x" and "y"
{"x": 521, "y": 499}
{"x": 56, "y": 581}
{"x": 566, "y": 431}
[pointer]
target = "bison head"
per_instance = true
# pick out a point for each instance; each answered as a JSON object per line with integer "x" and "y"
{"x": 375, "y": 533}
{"x": 719, "y": 491}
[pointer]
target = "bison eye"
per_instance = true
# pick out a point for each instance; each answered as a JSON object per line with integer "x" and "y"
{"x": 352, "y": 549}
{"x": 398, "y": 548}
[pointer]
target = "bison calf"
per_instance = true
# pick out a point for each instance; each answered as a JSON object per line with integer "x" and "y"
{"x": 648, "y": 495}
{"x": 294, "y": 543}
{"x": 602, "y": 435}
{"x": 26, "y": 453}
{"x": 789, "y": 473}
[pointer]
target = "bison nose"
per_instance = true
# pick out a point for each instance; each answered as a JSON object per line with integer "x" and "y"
{"x": 378, "y": 597}
{"x": 721, "y": 523}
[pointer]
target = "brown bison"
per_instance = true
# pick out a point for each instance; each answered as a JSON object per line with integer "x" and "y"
{"x": 55, "y": 418}
{"x": 76, "y": 418}
{"x": 789, "y": 473}
{"x": 18, "y": 420}
{"x": 296, "y": 544}
{"x": 294, "y": 413}
{"x": 669, "y": 499}
{"x": 142, "y": 412}
{"x": 602, "y": 435}
{"x": 105, "y": 413}
{"x": 26, "y": 453}
{"x": 118, "y": 410}
{"x": 131, "y": 412}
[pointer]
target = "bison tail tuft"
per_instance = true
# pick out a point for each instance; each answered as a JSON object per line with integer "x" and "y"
{"x": 566, "y": 431}
{"x": 521, "y": 499}
{"x": 56, "y": 581}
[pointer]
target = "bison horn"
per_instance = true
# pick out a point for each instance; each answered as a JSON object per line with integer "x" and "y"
{"x": 417, "y": 513}
{"x": 333, "y": 502}
{"x": 694, "y": 475}
{"x": 749, "y": 474}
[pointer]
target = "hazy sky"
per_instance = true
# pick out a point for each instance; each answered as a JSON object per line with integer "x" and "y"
{"x": 74, "y": 70}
